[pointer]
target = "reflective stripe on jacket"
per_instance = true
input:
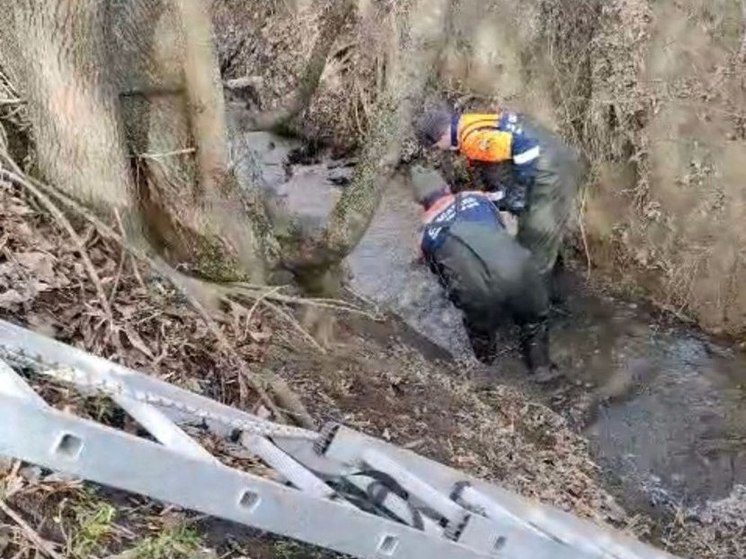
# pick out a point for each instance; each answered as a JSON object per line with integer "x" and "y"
{"x": 470, "y": 206}
{"x": 496, "y": 138}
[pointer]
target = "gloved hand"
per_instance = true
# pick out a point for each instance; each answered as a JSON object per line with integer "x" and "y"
{"x": 510, "y": 199}
{"x": 515, "y": 200}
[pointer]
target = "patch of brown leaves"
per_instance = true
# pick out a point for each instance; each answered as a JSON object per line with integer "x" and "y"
{"x": 44, "y": 286}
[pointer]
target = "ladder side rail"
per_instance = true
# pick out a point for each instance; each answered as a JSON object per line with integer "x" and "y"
{"x": 63, "y": 442}
{"x": 92, "y": 371}
{"x": 587, "y": 537}
{"x": 580, "y": 533}
{"x": 496, "y": 535}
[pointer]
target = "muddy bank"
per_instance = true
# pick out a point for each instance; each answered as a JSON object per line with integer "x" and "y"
{"x": 662, "y": 404}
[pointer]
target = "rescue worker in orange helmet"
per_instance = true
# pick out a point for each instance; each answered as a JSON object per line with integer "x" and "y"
{"x": 536, "y": 172}
{"x": 484, "y": 271}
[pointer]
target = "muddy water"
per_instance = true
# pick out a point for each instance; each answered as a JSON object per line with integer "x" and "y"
{"x": 664, "y": 408}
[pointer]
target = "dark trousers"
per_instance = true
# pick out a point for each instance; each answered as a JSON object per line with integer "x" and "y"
{"x": 492, "y": 279}
{"x": 550, "y": 200}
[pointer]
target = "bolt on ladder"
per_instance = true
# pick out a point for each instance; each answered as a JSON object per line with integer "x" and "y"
{"x": 338, "y": 489}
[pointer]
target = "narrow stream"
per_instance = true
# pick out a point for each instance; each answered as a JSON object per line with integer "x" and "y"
{"x": 663, "y": 406}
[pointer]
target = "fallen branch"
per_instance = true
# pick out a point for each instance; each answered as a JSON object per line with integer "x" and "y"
{"x": 52, "y": 208}
{"x": 41, "y": 544}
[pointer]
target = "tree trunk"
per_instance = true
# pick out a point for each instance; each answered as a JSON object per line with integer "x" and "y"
{"x": 422, "y": 35}
{"x": 53, "y": 51}
{"x": 127, "y": 113}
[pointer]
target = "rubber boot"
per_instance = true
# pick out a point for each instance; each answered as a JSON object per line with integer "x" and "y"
{"x": 483, "y": 343}
{"x": 554, "y": 283}
{"x": 535, "y": 349}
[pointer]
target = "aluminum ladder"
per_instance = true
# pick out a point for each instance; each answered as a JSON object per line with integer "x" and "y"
{"x": 338, "y": 488}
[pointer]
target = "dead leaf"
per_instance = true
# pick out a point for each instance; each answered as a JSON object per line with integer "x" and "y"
{"x": 10, "y": 298}
{"x": 260, "y": 336}
{"x": 39, "y": 264}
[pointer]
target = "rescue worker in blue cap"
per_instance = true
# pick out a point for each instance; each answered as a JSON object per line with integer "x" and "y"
{"x": 485, "y": 272}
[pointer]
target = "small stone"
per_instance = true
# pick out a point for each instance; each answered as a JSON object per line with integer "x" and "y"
{"x": 32, "y": 474}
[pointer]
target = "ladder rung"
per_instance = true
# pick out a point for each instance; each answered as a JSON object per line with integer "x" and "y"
{"x": 104, "y": 455}
{"x": 448, "y": 509}
{"x": 285, "y": 465}
{"x": 163, "y": 429}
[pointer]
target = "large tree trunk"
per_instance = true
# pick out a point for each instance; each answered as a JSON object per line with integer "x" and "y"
{"x": 127, "y": 112}
{"x": 52, "y": 53}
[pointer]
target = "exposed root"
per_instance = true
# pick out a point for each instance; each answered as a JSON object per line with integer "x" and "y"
{"x": 205, "y": 297}
{"x": 202, "y": 296}
{"x": 289, "y": 401}
{"x": 273, "y": 294}
{"x": 296, "y": 325}
{"x": 187, "y": 287}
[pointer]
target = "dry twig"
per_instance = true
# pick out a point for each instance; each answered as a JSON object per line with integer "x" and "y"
{"x": 41, "y": 544}
{"x": 52, "y": 208}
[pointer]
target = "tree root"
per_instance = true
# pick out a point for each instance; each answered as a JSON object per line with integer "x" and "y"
{"x": 202, "y": 296}
{"x": 194, "y": 291}
{"x": 273, "y": 294}
{"x": 289, "y": 401}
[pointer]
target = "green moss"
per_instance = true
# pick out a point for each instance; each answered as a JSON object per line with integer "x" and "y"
{"x": 92, "y": 523}
{"x": 213, "y": 262}
{"x": 173, "y": 543}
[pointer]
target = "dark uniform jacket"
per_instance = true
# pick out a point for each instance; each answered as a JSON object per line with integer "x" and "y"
{"x": 484, "y": 270}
